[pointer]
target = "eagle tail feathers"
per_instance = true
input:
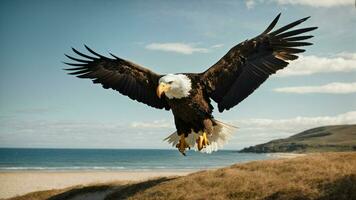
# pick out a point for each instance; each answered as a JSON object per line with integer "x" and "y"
{"x": 221, "y": 133}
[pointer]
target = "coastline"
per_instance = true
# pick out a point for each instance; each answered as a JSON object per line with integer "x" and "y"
{"x": 265, "y": 179}
{"x": 14, "y": 183}
{"x": 23, "y": 181}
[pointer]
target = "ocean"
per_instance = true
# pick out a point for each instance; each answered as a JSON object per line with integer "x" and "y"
{"x": 118, "y": 159}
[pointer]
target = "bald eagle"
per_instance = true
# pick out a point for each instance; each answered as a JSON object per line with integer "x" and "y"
{"x": 229, "y": 81}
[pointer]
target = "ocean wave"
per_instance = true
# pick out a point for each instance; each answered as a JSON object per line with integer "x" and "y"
{"x": 100, "y": 168}
{"x": 63, "y": 168}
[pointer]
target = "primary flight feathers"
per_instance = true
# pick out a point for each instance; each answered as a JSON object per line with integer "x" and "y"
{"x": 126, "y": 77}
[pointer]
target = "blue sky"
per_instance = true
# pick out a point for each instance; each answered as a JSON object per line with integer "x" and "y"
{"x": 41, "y": 106}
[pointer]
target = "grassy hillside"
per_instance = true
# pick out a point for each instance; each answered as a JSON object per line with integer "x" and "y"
{"x": 321, "y": 139}
{"x": 315, "y": 176}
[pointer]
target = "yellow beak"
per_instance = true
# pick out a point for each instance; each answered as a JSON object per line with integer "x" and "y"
{"x": 162, "y": 87}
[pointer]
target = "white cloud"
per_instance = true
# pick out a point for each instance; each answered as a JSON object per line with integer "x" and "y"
{"x": 156, "y": 124}
{"x": 217, "y": 46}
{"x": 250, "y": 4}
{"x": 110, "y": 134}
{"x": 296, "y": 124}
{"x": 257, "y": 131}
{"x": 81, "y": 134}
{"x": 312, "y": 3}
{"x": 331, "y": 88}
{"x": 317, "y": 3}
{"x": 307, "y": 65}
{"x": 182, "y": 48}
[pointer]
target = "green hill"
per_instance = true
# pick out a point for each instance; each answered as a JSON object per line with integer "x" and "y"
{"x": 321, "y": 139}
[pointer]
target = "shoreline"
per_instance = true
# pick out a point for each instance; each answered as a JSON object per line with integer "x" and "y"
{"x": 101, "y": 170}
{"x": 16, "y": 183}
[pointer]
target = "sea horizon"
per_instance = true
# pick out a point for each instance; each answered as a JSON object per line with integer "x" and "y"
{"x": 85, "y": 159}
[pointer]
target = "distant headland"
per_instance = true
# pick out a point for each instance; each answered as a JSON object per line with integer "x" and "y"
{"x": 321, "y": 139}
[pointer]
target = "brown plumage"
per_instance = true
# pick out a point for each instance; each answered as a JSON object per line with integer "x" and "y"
{"x": 126, "y": 77}
{"x": 229, "y": 81}
{"x": 247, "y": 65}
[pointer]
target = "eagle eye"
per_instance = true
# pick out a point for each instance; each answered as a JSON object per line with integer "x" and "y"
{"x": 170, "y": 82}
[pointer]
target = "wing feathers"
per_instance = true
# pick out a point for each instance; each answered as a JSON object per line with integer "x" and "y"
{"x": 272, "y": 25}
{"x": 289, "y": 26}
{"x": 285, "y": 56}
{"x": 289, "y": 50}
{"x": 76, "y": 59}
{"x": 123, "y": 76}
{"x": 79, "y": 72}
{"x": 298, "y": 38}
{"x": 94, "y": 53}
{"x": 295, "y": 32}
{"x": 290, "y": 44}
{"x": 83, "y": 55}
{"x": 73, "y": 64}
{"x": 251, "y": 62}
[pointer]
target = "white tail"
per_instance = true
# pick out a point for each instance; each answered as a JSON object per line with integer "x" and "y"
{"x": 220, "y": 135}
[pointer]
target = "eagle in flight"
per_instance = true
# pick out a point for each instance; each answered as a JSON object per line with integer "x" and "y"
{"x": 229, "y": 81}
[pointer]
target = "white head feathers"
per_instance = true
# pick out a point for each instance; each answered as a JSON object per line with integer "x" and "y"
{"x": 180, "y": 85}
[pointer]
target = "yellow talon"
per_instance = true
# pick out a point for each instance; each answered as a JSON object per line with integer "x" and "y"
{"x": 182, "y": 145}
{"x": 202, "y": 141}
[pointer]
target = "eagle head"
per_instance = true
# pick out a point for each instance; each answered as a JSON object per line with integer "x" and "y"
{"x": 174, "y": 86}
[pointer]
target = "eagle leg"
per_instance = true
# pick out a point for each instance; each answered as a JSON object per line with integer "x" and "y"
{"x": 182, "y": 145}
{"x": 202, "y": 141}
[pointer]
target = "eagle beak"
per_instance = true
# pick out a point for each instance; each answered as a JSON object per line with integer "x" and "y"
{"x": 162, "y": 87}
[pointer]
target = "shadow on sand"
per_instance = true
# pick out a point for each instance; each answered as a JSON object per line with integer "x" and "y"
{"x": 108, "y": 192}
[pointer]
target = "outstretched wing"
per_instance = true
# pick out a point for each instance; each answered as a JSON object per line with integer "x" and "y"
{"x": 247, "y": 65}
{"x": 126, "y": 77}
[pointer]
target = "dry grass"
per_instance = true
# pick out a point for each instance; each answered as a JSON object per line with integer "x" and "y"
{"x": 40, "y": 195}
{"x": 316, "y": 176}
{"x": 319, "y": 176}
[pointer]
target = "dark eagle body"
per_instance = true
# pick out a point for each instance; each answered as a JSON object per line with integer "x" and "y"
{"x": 193, "y": 112}
{"x": 229, "y": 81}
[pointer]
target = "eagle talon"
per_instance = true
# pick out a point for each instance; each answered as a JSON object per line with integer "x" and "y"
{"x": 202, "y": 141}
{"x": 182, "y": 145}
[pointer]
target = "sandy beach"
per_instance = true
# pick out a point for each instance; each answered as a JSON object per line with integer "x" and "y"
{"x": 15, "y": 183}
{"x": 22, "y": 182}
